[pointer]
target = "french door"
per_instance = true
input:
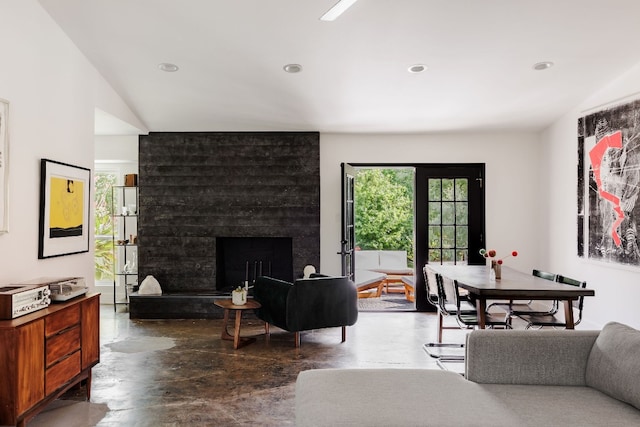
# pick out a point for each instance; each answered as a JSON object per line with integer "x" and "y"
{"x": 347, "y": 242}
{"x": 449, "y": 218}
{"x": 449, "y": 212}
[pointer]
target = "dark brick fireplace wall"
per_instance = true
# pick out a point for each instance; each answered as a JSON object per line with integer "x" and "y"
{"x": 196, "y": 187}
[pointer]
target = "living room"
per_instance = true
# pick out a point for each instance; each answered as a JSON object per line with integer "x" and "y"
{"x": 54, "y": 91}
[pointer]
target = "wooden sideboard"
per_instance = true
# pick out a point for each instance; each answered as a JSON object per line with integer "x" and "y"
{"x": 45, "y": 353}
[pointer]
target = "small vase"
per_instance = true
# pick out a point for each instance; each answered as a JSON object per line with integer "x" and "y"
{"x": 239, "y": 297}
{"x": 497, "y": 270}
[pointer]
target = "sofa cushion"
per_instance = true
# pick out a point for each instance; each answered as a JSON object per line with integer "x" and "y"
{"x": 539, "y": 405}
{"x": 395, "y": 397}
{"x": 364, "y": 278}
{"x": 614, "y": 363}
{"x": 393, "y": 260}
{"x": 367, "y": 260}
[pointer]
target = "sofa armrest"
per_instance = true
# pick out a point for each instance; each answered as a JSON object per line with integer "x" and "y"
{"x": 273, "y": 295}
{"x": 544, "y": 357}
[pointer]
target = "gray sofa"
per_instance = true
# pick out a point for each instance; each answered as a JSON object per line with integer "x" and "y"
{"x": 513, "y": 378}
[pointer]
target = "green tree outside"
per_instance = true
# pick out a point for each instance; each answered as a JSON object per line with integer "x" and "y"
{"x": 103, "y": 226}
{"x": 384, "y": 210}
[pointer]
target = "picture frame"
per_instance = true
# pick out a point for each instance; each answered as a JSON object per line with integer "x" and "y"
{"x": 4, "y": 166}
{"x": 609, "y": 183}
{"x": 64, "y": 209}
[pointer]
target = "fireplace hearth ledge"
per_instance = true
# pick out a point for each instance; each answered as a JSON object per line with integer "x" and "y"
{"x": 178, "y": 305}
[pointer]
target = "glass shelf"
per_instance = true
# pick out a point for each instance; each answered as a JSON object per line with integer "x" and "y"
{"x": 124, "y": 199}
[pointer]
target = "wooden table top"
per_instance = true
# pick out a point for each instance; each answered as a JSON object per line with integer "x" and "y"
{"x": 52, "y": 308}
{"x": 229, "y": 305}
{"x": 514, "y": 283}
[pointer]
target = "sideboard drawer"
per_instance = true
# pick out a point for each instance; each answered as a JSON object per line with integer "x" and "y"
{"x": 61, "y": 373}
{"x": 62, "y": 344}
{"x": 62, "y": 319}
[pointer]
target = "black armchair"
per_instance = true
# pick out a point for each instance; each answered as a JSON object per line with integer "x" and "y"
{"x": 306, "y": 304}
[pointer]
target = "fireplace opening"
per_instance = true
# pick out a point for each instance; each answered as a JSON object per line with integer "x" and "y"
{"x": 240, "y": 259}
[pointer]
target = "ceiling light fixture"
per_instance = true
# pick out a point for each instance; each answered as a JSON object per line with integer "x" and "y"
{"x": 292, "y": 68}
{"x": 542, "y": 65}
{"x": 337, "y": 10}
{"x": 169, "y": 68}
{"x": 417, "y": 68}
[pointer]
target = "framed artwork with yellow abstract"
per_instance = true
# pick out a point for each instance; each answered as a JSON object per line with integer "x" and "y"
{"x": 64, "y": 209}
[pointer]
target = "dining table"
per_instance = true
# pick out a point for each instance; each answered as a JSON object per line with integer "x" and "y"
{"x": 513, "y": 285}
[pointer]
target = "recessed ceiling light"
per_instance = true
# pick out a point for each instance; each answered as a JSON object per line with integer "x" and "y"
{"x": 542, "y": 65}
{"x": 417, "y": 68}
{"x": 169, "y": 68}
{"x": 292, "y": 68}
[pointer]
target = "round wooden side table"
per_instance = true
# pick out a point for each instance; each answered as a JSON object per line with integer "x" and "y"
{"x": 228, "y": 305}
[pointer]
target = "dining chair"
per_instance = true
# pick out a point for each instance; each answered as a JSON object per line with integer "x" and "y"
{"x": 443, "y": 301}
{"x": 445, "y": 304}
{"x": 533, "y": 307}
{"x": 432, "y": 287}
{"x": 469, "y": 319}
{"x": 553, "y": 319}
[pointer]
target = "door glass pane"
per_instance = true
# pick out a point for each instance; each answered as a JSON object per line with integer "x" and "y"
{"x": 448, "y": 237}
{"x": 461, "y": 257}
{"x": 462, "y": 213}
{"x": 350, "y": 242}
{"x": 448, "y": 213}
{"x": 434, "y": 213}
{"x": 462, "y": 237}
{"x": 435, "y": 237}
{"x": 434, "y": 190}
{"x": 350, "y": 188}
{"x": 448, "y": 190}
{"x": 462, "y": 189}
{"x": 434, "y": 256}
{"x": 448, "y": 255}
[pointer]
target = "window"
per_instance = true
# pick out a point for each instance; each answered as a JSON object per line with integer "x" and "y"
{"x": 103, "y": 181}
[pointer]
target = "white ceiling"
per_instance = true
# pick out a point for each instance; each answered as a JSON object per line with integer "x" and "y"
{"x": 480, "y": 55}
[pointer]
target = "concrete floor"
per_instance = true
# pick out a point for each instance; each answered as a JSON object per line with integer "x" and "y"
{"x": 179, "y": 372}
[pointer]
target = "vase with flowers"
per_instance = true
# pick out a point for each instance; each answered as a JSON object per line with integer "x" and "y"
{"x": 495, "y": 265}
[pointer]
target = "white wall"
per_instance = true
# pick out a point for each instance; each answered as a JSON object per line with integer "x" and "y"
{"x": 53, "y": 91}
{"x": 512, "y": 183}
{"x": 617, "y": 288}
{"x": 117, "y": 152}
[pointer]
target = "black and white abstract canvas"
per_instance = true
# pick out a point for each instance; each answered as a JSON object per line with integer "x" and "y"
{"x": 609, "y": 184}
